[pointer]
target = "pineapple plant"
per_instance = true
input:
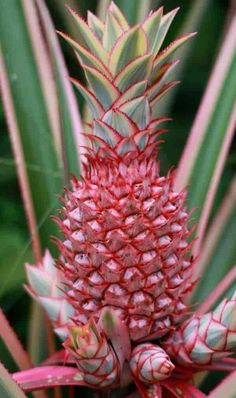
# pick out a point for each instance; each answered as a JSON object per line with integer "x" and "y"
{"x": 117, "y": 295}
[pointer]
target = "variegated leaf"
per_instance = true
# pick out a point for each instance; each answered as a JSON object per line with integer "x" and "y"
{"x": 136, "y": 71}
{"x": 94, "y": 105}
{"x": 150, "y": 27}
{"x": 96, "y": 25}
{"x": 134, "y": 91}
{"x": 130, "y": 45}
{"x": 88, "y": 39}
{"x": 138, "y": 110}
{"x": 112, "y": 31}
{"x": 101, "y": 86}
{"x": 120, "y": 122}
{"x": 163, "y": 29}
{"x": 119, "y": 16}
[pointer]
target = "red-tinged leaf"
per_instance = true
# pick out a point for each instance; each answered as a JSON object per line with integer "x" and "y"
{"x": 226, "y": 389}
{"x": 101, "y": 86}
{"x": 163, "y": 91}
{"x": 136, "y": 71}
{"x": 85, "y": 56}
{"x": 94, "y": 105}
{"x": 134, "y": 91}
{"x": 119, "y": 16}
{"x": 182, "y": 389}
{"x": 96, "y": 25}
{"x": 48, "y": 377}
{"x": 161, "y": 79}
{"x": 224, "y": 364}
{"x": 88, "y": 38}
{"x": 8, "y": 387}
{"x": 152, "y": 391}
{"x": 132, "y": 44}
{"x": 117, "y": 332}
{"x": 13, "y": 344}
{"x": 168, "y": 51}
{"x": 150, "y": 27}
{"x": 219, "y": 290}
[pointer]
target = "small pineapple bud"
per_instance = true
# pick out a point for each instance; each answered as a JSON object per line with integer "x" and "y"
{"x": 204, "y": 339}
{"x": 150, "y": 363}
{"x": 94, "y": 356}
{"x": 46, "y": 284}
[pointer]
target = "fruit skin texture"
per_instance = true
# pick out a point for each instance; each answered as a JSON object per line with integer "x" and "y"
{"x": 126, "y": 246}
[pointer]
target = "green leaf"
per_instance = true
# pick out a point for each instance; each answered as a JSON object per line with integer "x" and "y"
{"x": 134, "y": 11}
{"x": 151, "y": 26}
{"x": 94, "y": 105}
{"x": 155, "y": 101}
{"x": 31, "y": 114}
{"x": 222, "y": 256}
{"x": 132, "y": 44}
{"x": 136, "y": 71}
{"x": 226, "y": 388}
{"x": 134, "y": 91}
{"x": 138, "y": 110}
{"x": 120, "y": 122}
{"x": 210, "y": 150}
{"x": 168, "y": 51}
{"x": 166, "y": 21}
{"x": 96, "y": 25}
{"x": 101, "y": 87}
{"x": 165, "y": 74}
{"x": 119, "y": 16}
{"x": 105, "y": 132}
{"x": 88, "y": 39}
{"x": 85, "y": 57}
{"x": 112, "y": 31}
{"x": 8, "y": 387}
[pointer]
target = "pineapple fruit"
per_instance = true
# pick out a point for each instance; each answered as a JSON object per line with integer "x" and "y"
{"x": 125, "y": 266}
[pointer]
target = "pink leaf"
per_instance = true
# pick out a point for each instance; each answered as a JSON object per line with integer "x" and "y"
{"x": 226, "y": 389}
{"x": 182, "y": 389}
{"x": 48, "y": 376}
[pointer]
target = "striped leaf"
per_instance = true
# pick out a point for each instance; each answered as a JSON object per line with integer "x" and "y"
{"x": 164, "y": 76}
{"x": 134, "y": 91}
{"x": 8, "y": 387}
{"x": 88, "y": 39}
{"x": 94, "y": 105}
{"x": 168, "y": 51}
{"x": 101, "y": 86}
{"x": 105, "y": 132}
{"x": 132, "y": 44}
{"x": 150, "y": 27}
{"x": 85, "y": 56}
{"x": 119, "y": 16}
{"x": 163, "y": 29}
{"x": 30, "y": 115}
{"x": 96, "y": 25}
{"x": 120, "y": 122}
{"x": 138, "y": 110}
{"x": 164, "y": 90}
{"x": 112, "y": 31}
{"x": 136, "y": 71}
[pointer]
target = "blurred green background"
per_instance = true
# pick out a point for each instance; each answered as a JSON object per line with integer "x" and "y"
{"x": 15, "y": 247}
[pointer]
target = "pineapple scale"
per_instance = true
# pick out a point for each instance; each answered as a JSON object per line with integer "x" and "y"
{"x": 125, "y": 246}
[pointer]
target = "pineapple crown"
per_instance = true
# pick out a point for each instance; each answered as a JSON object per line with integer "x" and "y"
{"x": 127, "y": 75}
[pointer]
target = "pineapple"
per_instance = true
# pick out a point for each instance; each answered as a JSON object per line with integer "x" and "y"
{"x": 118, "y": 295}
{"x": 125, "y": 228}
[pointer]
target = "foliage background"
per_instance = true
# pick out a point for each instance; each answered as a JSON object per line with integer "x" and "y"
{"x": 15, "y": 242}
